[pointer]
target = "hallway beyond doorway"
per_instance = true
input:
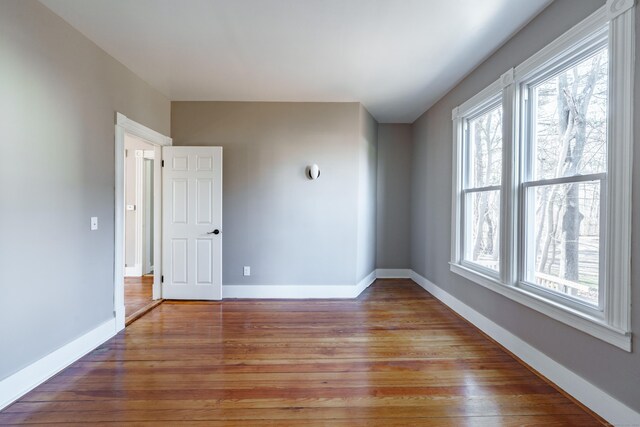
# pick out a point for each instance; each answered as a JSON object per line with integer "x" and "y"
{"x": 138, "y": 299}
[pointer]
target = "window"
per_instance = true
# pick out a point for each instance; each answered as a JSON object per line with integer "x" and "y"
{"x": 565, "y": 171}
{"x": 481, "y": 199}
{"x": 542, "y": 179}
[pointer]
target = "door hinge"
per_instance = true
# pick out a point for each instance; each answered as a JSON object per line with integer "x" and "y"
{"x": 163, "y": 163}
{"x": 162, "y": 279}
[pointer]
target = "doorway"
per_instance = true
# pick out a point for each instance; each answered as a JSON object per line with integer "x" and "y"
{"x": 140, "y": 156}
{"x": 138, "y": 216}
{"x": 187, "y": 207}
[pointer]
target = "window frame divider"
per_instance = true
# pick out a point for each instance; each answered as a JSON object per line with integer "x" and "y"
{"x": 481, "y": 189}
{"x": 566, "y": 180}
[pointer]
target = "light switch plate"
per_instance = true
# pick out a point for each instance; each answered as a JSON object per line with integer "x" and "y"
{"x": 94, "y": 223}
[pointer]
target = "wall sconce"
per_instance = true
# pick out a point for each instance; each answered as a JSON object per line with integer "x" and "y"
{"x": 313, "y": 171}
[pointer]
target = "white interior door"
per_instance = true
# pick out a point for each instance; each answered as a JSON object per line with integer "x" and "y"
{"x": 192, "y": 223}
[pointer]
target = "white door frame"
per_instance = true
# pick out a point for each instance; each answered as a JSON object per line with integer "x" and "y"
{"x": 124, "y": 126}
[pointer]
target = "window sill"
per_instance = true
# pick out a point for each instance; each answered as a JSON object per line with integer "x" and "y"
{"x": 581, "y": 321}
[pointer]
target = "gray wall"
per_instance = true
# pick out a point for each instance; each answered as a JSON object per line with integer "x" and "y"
{"x": 59, "y": 94}
{"x": 290, "y": 230}
{"x": 394, "y": 196}
{"x": 606, "y": 366}
{"x": 367, "y": 194}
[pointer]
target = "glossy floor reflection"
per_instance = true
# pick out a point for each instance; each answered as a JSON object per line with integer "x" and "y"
{"x": 137, "y": 293}
{"x": 393, "y": 357}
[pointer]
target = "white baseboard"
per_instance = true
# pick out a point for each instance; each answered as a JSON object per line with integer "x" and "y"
{"x": 393, "y": 273}
{"x": 134, "y": 271}
{"x": 365, "y": 282}
{"x": 298, "y": 292}
{"x": 23, "y": 381}
{"x": 609, "y": 408}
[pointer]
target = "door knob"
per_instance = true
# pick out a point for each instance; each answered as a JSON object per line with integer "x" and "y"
{"x": 216, "y": 231}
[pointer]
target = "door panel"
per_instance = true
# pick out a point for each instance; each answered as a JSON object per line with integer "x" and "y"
{"x": 205, "y": 255}
{"x": 192, "y": 203}
{"x": 204, "y": 213}
{"x": 179, "y": 261}
{"x": 180, "y": 201}
{"x": 205, "y": 163}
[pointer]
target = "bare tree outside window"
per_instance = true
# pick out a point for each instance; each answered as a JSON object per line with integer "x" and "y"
{"x": 569, "y": 140}
{"x": 482, "y": 201}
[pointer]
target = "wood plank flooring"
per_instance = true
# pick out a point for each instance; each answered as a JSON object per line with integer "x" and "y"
{"x": 393, "y": 357}
{"x": 137, "y": 293}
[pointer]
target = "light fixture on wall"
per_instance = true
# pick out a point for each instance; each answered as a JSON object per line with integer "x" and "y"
{"x": 313, "y": 171}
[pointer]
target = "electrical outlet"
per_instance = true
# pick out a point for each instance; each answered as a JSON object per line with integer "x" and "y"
{"x": 246, "y": 271}
{"x": 94, "y": 223}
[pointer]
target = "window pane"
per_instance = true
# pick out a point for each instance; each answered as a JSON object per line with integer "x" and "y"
{"x": 484, "y": 146}
{"x": 564, "y": 239}
{"x": 482, "y": 217}
{"x": 570, "y": 120}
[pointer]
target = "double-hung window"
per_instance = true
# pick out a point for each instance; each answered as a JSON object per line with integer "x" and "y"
{"x": 542, "y": 179}
{"x": 482, "y": 187}
{"x": 564, "y": 152}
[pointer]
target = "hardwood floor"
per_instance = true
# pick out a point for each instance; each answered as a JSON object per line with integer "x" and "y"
{"x": 393, "y": 357}
{"x": 137, "y": 296}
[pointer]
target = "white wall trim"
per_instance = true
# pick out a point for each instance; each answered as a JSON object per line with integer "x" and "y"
{"x": 141, "y": 131}
{"x": 25, "y": 380}
{"x": 133, "y": 271}
{"x": 393, "y": 273}
{"x": 479, "y": 101}
{"x": 620, "y": 164}
{"x": 508, "y": 78}
{"x": 589, "y": 28}
{"x": 289, "y": 291}
{"x": 298, "y": 291}
{"x": 618, "y": 7}
{"x": 590, "y": 395}
{"x": 574, "y": 318}
{"x": 365, "y": 282}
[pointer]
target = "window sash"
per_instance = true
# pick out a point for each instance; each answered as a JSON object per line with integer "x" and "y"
{"x": 466, "y": 234}
{"x": 566, "y": 59}
{"x": 483, "y": 108}
{"x": 528, "y": 250}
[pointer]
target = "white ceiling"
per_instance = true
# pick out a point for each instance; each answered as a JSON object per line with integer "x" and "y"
{"x": 397, "y": 57}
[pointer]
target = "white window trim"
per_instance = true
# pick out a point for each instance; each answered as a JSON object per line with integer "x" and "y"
{"x": 459, "y": 115}
{"x": 614, "y": 326}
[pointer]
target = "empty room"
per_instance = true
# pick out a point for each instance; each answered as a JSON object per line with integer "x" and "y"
{"x": 319, "y": 212}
